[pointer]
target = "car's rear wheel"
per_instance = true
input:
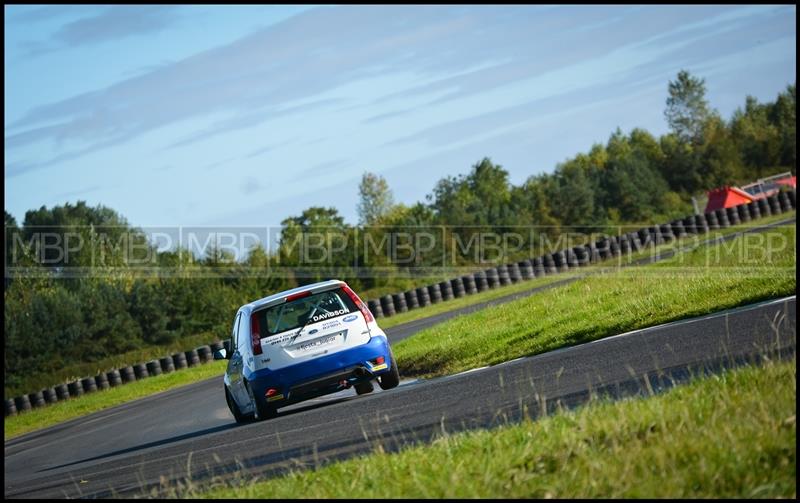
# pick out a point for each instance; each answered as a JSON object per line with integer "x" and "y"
{"x": 238, "y": 416}
{"x": 261, "y": 408}
{"x": 363, "y": 388}
{"x": 390, "y": 379}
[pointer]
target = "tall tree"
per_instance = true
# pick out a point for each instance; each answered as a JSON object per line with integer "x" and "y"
{"x": 375, "y": 199}
{"x": 687, "y": 108}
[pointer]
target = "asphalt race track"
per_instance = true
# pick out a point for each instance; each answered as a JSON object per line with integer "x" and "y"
{"x": 129, "y": 449}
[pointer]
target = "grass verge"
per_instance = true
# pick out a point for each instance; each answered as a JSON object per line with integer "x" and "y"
{"x": 701, "y": 281}
{"x": 35, "y": 419}
{"x": 687, "y": 241}
{"x": 731, "y": 435}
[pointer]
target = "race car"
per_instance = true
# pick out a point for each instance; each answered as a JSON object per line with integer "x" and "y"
{"x": 303, "y": 343}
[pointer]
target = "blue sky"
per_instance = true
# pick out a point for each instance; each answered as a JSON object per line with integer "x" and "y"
{"x": 244, "y": 115}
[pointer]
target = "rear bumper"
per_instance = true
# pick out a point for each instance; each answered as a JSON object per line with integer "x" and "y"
{"x": 321, "y": 375}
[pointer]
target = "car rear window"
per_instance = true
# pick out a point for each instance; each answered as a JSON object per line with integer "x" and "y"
{"x": 295, "y": 314}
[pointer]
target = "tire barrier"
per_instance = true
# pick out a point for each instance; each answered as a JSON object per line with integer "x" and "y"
{"x": 666, "y": 233}
{"x": 701, "y": 223}
{"x": 774, "y": 204}
{"x": 75, "y": 389}
{"x": 387, "y": 305}
{"x": 216, "y": 346}
{"x": 549, "y": 264}
{"x": 634, "y": 239}
{"x": 423, "y": 296}
{"x": 400, "y": 305}
{"x": 114, "y": 377}
{"x": 613, "y": 246}
{"x": 412, "y": 302}
{"x": 141, "y": 371}
{"x": 192, "y": 358}
{"x": 101, "y": 381}
{"x": 689, "y": 225}
{"x": 625, "y": 247}
{"x": 89, "y": 386}
{"x": 677, "y": 228}
{"x": 36, "y": 399}
{"x": 526, "y": 269}
{"x": 655, "y": 230}
{"x": 503, "y": 275}
{"x": 792, "y": 196}
{"x": 166, "y": 364}
{"x": 722, "y": 218}
{"x": 481, "y": 283}
{"x": 62, "y": 391}
{"x": 763, "y": 207}
{"x": 733, "y": 215}
{"x": 492, "y": 278}
{"x": 205, "y": 354}
{"x": 570, "y": 258}
{"x": 711, "y": 218}
{"x": 647, "y": 237}
{"x": 469, "y": 284}
{"x": 514, "y": 274}
{"x": 753, "y": 209}
{"x": 744, "y": 213}
{"x": 22, "y": 403}
{"x": 538, "y": 267}
{"x": 446, "y": 289}
{"x": 374, "y": 307}
{"x": 11, "y": 407}
{"x": 49, "y": 395}
{"x": 179, "y": 360}
{"x": 127, "y": 374}
{"x": 582, "y": 253}
{"x": 435, "y": 293}
{"x": 560, "y": 261}
{"x": 600, "y": 249}
{"x": 153, "y": 368}
{"x": 783, "y": 199}
{"x": 457, "y": 285}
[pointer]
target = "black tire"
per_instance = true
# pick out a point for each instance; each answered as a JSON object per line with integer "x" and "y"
{"x": 363, "y": 388}
{"x": 262, "y": 409}
{"x": 238, "y": 416}
{"x": 390, "y": 379}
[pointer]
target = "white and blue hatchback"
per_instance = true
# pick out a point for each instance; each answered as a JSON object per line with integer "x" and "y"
{"x": 303, "y": 343}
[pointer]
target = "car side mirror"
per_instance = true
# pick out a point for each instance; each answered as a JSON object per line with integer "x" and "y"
{"x": 225, "y": 352}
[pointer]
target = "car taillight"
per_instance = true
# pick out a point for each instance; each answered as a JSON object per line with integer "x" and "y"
{"x": 296, "y": 296}
{"x": 255, "y": 334}
{"x": 359, "y": 303}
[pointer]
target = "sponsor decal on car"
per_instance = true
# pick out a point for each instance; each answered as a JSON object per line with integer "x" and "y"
{"x": 330, "y": 324}
{"x": 352, "y": 317}
{"x": 331, "y": 314}
{"x": 314, "y": 331}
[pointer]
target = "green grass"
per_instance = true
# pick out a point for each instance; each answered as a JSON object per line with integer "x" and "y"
{"x": 732, "y": 436}
{"x": 58, "y": 412}
{"x": 524, "y": 286}
{"x": 704, "y": 280}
